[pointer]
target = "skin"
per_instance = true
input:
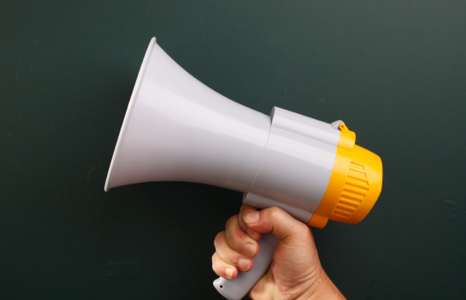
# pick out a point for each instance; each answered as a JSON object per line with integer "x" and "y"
{"x": 295, "y": 273}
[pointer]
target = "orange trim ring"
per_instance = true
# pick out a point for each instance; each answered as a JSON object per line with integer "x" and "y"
{"x": 354, "y": 186}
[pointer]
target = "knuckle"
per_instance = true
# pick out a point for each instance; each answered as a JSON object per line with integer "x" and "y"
{"x": 275, "y": 212}
{"x": 215, "y": 267}
{"x": 214, "y": 257}
{"x": 218, "y": 238}
{"x": 230, "y": 220}
{"x": 214, "y": 262}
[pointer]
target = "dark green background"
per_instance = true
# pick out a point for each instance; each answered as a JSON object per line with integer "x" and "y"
{"x": 394, "y": 71}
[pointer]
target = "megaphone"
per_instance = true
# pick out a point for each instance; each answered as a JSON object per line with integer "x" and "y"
{"x": 178, "y": 129}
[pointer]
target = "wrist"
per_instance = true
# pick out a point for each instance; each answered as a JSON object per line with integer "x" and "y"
{"x": 323, "y": 289}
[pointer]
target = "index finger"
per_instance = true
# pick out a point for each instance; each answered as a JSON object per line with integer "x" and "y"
{"x": 244, "y": 210}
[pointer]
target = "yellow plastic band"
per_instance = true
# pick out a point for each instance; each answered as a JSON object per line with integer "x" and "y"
{"x": 354, "y": 186}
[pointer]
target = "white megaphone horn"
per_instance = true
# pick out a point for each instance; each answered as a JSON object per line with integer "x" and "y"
{"x": 178, "y": 129}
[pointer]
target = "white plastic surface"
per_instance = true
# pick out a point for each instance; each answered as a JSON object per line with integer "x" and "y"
{"x": 238, "y": 288}
{"x": 178, "y": 129}
{"x": 298, "y": 160}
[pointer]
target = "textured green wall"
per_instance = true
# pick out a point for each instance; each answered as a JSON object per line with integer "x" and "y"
{"x": 394, "y": 71}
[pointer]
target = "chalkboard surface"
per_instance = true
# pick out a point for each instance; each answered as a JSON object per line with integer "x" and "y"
{"x": 394, "y": 71}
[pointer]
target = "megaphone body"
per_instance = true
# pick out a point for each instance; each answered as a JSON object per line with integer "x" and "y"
{"x": 178, "y": 129}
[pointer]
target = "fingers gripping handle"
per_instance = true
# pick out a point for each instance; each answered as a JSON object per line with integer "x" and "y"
{"x": 245, "y": 281}
{"x": 237, "y": 288}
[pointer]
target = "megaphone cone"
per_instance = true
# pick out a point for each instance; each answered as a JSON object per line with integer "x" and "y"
{"x": 178, "y": 129}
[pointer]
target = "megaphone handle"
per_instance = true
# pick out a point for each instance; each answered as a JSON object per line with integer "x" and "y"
{"x": 236, "y": 289}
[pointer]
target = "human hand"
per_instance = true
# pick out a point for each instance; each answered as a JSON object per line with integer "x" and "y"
{"x": 295, "y": 273}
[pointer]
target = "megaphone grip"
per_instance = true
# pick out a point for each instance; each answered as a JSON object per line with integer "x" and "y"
{"x": 236, "y": 289}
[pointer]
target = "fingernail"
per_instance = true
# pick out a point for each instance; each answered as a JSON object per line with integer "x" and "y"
{"x": 252, "y": 217}
{"x": 229, "y": 272}
{"x": 252, "y": 233}
{"x": 249, "y": 249}
{"x": 243, "y": 264}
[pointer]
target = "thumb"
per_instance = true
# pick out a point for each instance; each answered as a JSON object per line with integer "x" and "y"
{"x": 280, "y": 223}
